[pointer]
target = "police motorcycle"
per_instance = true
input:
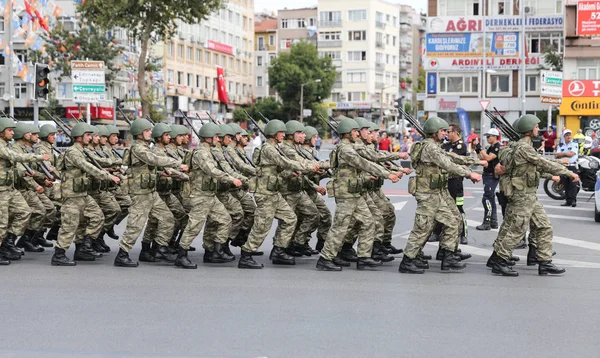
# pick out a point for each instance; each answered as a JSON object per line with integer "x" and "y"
{"x": 587, "y": 167}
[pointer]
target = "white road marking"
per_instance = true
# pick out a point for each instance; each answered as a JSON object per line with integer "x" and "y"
{"x": 399, "y": 206}
{"x": 553, "y": 216}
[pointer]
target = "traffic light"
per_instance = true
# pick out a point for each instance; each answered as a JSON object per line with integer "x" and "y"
{"x": 41, "y": 81}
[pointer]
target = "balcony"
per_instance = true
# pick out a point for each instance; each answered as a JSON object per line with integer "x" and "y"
{"x": 380, "y": 44}
{"x": 379, "y": 85}
{"x": 330, "y": 44}
{"x": 403, "y": 65}
{"x": 380, "y": 25}
{"x": 332, "y": 23}
{"x": 337, "y": 84}
{"x": 379, "y": 66}
{"x": 405, "y": 28}
{"x": 405, "y": 46}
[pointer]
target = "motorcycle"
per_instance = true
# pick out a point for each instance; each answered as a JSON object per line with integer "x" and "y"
{"x": 587, "y": 168}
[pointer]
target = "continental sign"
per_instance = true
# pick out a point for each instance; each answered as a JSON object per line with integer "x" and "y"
{"x": 580, "y": 106}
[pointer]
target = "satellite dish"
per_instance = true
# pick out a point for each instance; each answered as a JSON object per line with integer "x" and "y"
{"x": 6, "y": 97}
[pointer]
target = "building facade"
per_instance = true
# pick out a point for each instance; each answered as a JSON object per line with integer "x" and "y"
{"x": 265, "y": 50}
{"x": 296, "y": 25}
{"x": 475, "y": 51}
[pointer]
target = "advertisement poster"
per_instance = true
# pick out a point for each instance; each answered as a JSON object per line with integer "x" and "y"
{"x": 498, "y": 44}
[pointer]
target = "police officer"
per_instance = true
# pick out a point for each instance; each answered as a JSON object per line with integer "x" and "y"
{"x": 490, "y": 180}
{"x": 569, "y": 149}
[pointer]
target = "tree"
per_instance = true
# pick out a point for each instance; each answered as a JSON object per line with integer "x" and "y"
{"x": 421, "y": 81}
{"x": 268, "y": 106}
{"x": 148, "y": 21}
{"x": 301, "y": 65}
{"x": 553, "y": 59}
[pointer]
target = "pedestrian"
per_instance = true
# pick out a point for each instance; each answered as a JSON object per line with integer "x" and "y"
{"x": 318, "y": 142}
{"x": 569, "y": 150}
{"x": 519, "y": 181}
{"x": 256, "y": 141}
{"x": 471, "y": 140}
{"x": 385, "y": 144}
{"x": 549, "y": 140}
{"x": 490, "y": 180}
{"x": 579, "y": 138}
{"x": 594, "y": 141}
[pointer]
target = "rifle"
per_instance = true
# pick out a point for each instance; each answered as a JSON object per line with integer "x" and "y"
{"x": 506, "y": 129}
{"x": 262, "y": 132}
{"x": 125, "y": 118}
{"x": 210, "y": 117}
{"x": 329, "y": 124}
{"x": 150, "y": 120}
{"x": 508, "y": 125}
{"x": 263, "y": 116}
{"x": 42, "y": 165}
{"x": 412, "y": 121}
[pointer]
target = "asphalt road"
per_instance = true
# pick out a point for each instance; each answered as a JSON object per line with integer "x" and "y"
{"x": 155, "y": 310}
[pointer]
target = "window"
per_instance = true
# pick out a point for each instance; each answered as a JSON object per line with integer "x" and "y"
{"x": 501, "y": 7}
{"x": 388, "y": 17}
{"x": 531, "y": 82}
{"x": 198, "y": 81}
{"x": 357, "y": 35}
{"x": 458, "y": 83}
{"x": 393, "y": 41}
{"x": 21, "y": 55}
{"x": 500, "y": 83}
{"x": 20, "y": 90}
{"x": 2, "y": 84}
{"x": 357, "y": 56}
{"x": 190, "y": 53}
{"x": 259, "y": 61}
{"x": 259, "y": 81}
{"x": 245, "y": 67}
{"x": 356, "y": 77}
{"x": 357, "y": 15}
{"x": 356, "y": 96}
{"x": 207, "y": 82}
{"x": 378, "y": 57}
{"x": 169, "y": 45}
{"x": 538, "y": 42}
{"x": 284, "y": 23}
{"x": 378, "y": 17}
{"x": 231, "y": 63}
{"x": 261, "y": 43}
{"x": 179, "y": 77}
{"x": 379, "y": 78}
{"x": 300, "y": 23}
{"x": 198, "y": 56}
{"x": 207, "y": 57}
{"x": 271, "y": 40}
{"x": 311, "y": 21}
{"x": 180, "y": 51}
{"x": 587, "y": 69}
{"x": 215, "y": 59}
{"x": 378, "y": 38}
{"x": 189, "y": 79}
{"x": 238, "y": 65}
{"x": 223, "y": 61}
{"x": 271, "y": 58}
{"x": 170, "y": 75}
{"x": 331, "y": 18}
{"x": 461, "y": 8}
{"x": 395, "y": 21}
{"x": 330, "y": 36}
{"x": 334, "y": 55}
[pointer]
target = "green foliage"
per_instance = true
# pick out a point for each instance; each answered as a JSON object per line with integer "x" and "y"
{"x": 149, "y": 21}
{"x": 408, "y": 107}
{"x": 239, "y": 115}
{"x": 421, "y": 81}
{"x": 553, "y": 59}
{"x": 301, "y": 65}
{"x": 269, "y": 107}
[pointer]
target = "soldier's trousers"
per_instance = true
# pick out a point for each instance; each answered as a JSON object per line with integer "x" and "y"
{"x": 523, "y": 212}
{"x": 431, "y": 208}
{"x": 388, "y": 214}
{"x": 79, "y": 214}
{"x": 142, "y": 207}
{"x": 109, "y": 206}
{"x": 38, "y": 210}
{"x": 124, "y": 201}
{"x": 347, "y": 211}
{"x": 269, "y": 207}
{"x": 248, "y": 206}
{"x": 203, "y": 208}
{"x": 306, "y": 217}
{"x": 14, "y": 213}
{"x": 324, "y": 222}
{"x": 234, "y": 209}
{"x": 179, "y": 215}
{"x": 355, "y": 226}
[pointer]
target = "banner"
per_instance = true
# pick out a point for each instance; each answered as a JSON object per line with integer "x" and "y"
{"x": 533, "y": 61}
{"x": 580, "y": 88}
{"x": 588, "y": 19}
{"x": 465, "y": 122}
{"x": 498, "y": 44}
{"x": 221, "y": 90}
{"x": 464, "y": 24}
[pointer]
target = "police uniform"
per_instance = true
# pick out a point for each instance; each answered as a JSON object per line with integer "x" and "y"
{"x": 567, "y": 182}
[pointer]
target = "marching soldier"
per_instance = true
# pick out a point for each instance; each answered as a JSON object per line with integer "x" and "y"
{"x": 14, "y": 211}
{"x": 348, "y": 190}
{"x": 520, "y": 174}
{"x": 79, "y": 211}
{"x": 269, "y": 203}
{"x": 434, "y": 203}
{"x": 44, "y": 146}
{"x": 120, "y": 191}
{"x": 162, "y": 137}
{"x": 205, "y": 174}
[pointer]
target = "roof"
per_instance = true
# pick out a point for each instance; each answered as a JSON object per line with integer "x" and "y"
{"x": 265, "y": 25}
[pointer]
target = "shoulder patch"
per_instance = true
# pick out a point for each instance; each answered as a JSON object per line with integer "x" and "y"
{"x": 459, "y": 146}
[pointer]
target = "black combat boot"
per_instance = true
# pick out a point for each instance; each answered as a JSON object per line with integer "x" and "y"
{"x": 10, "y": 241}
{"x": 347, "y": 253}
{"x": 451, "y": 261}
{"x": 422, "y": 256}
{"x": 492, "y": 260}
{"x": 503, "y": 268}
{"x": 247, "y": 262}
{"x": 307, "y": 250}
{"x": 464, "y": 240}
{"x": 111, "y": 233}
{"x": 463, "y": 256}
{"x": 102, "y": 244}
{"x": 53, "y": 233}
{"x": 380, "y": 255}
{"x": 548, "y": 268}
{"x": 391, "y": 249}
{"x": 207, "y": 256}
{"x": 88, "y": 247}
{"x": 227, "y": 251}
{"x": 183, "y": 261}
{"x": 164, "y": 253}
{"x": 123, "y": 260}
{"x": 220, "y": 252}
{"x": 320, "y": 242}
{"x": 279, "y": 257}
{"x": 367, "y": 262}
{"x": 81, "y": 255}
{"x": 494, "y": 224}
{"x": 240, "y": 238}
{"x": 338, "y": 261}
{"x": 532, "y": 256}
{"x": 7, "y": 252}
{"x": 148, "y": 253}
{"x": 408, "y": 266}
{"x": 295, "y": 250}
{"x": 40, "y": 240}
{"x": 26, "y": 242}
{"x": 60, "y": 259}
{"x": 328, "y": 265}
{"x": 485, "y": 226}
{"x": 4, "y": 261}
{"x": 257, "y": 253}
{"x": 422, "y": 264}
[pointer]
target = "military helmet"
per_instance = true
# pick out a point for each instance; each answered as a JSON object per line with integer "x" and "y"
{"x": 362, "y": 123}
{"x": 275, "y": 126}
{"x": 95, "y": 130}
{"x": 6, "y": 123}
{"x": 226, "y": 130}
{"x": 525, "y": 123}
{"x": 347, "y": 125}
{"x": 21, "y": 129}
{"x": 210, "y": 130}
{"x": 104, "y": 131}
{"x": 374, "y": 127}
{"x": 293, "y": 126}
{"x": 237, "y": 129}
{"x": 178, "y": 129}
{"x": 160, "y": 129}
{"x": 310, "y": 132}
{"x": 80, "y": 129}
{"x": 112, "y": 130}
{"x": 434, "y": 124}
{"x": 139, "y": 126}
{"x": 33, "y": 129}
{"x": 46, "y": 130}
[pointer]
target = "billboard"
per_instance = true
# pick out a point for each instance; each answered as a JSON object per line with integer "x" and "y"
{"x": 472, "y": 44}
{"x": 588, "y": 18}
{"x": 465, "y": 24}
{"x": 580, "y": 88}
{"x": 476, "y": 63}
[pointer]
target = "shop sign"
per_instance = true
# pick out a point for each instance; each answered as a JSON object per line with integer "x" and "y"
{"x": 580, "y": 106}
{"x": 492, "y": 63}
{"x": 447, "y": 104}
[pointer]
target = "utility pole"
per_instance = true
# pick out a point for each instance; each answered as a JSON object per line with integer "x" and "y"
{"x": 11, "y": 85}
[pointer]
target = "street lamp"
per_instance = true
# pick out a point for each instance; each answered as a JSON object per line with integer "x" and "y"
{"x": 318, "y": 80}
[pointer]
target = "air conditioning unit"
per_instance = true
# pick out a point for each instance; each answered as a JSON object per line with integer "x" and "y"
{"x": 206, "y": 94}
{"x": 529, "y": 10}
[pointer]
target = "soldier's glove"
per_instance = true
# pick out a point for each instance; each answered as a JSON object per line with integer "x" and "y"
{"x": 478, "y": 148}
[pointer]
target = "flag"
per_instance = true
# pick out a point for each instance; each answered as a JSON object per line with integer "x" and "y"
{"x": 221, "y": 90}
{"x": 28, "y": 8}
{"x": 465, "y": 123}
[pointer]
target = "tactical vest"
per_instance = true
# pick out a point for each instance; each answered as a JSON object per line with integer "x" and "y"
{"x": 267, "y": 178}
{"x": 347, "y": 181}
{"x": 141, "y": 178}
{"x": 199, "y": 181}
{"x": 75, "y": 181}
{"x": 7, "y": 175}
{"x": 517, "y": 178}
{"x": 429, "y": 178}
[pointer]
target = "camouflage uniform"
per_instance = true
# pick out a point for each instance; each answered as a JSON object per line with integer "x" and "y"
{"x": 270, "y": 203}
{"x": 242, "y": 165}
{"x": 201, "y": 193}
{"x": 119, "y": 191}
{"x": 141, "y": 179}
{"x": 348, "y": 189}
{"x": 324, "y": 221}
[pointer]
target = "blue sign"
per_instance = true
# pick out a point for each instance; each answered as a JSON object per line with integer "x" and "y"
{"x": 505, "y": 44}
{"x": 421, "y": 114}
{"x": 432, "y": 83}
{"x": 465, "y": 122}
{"x": 454, "y": 45}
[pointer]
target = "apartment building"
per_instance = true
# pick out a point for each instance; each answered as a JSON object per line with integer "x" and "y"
{"x": 459, "y": 77}
{"x": 296, "y": 25}
{"x": 580, "y": 106}
{"x": 411, "y": 28}
{"x": 191, "y": 58}
{"x": 363, "y": 40}
{"x": 265, "y": 50}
